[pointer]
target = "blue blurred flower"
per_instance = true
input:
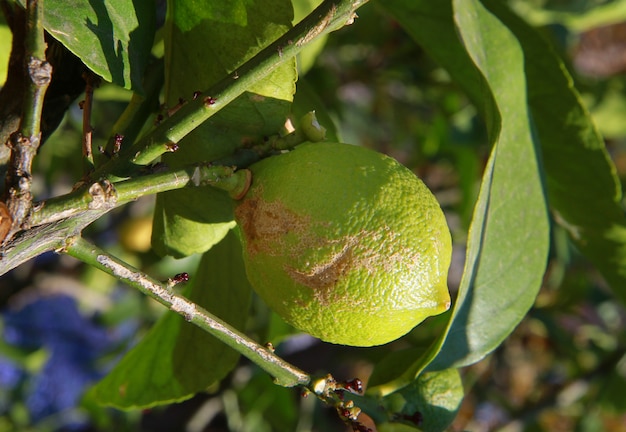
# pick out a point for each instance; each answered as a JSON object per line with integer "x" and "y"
{"x": 74, "y": 344}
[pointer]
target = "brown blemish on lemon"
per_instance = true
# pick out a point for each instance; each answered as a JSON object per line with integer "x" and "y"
{"x": 265, "y": 226}
{"x": 324, "y": 274}
{"x": 265, "y": 223}
{"x": 323, "y": 277}
{"x": 371, "y": 251}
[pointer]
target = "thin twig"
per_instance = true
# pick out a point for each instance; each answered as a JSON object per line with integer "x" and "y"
{"x": 284, "y": 373}
{"x": 86, "y": 106}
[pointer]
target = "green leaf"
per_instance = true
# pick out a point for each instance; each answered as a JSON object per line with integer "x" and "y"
{"x": 112, "y": 38}
{"x": 509, "y": 237}
{"x": 583, "y": 188}
{"x": 177, "y": 359}
{"x": 430, "y": 403}
{"x": 190, "y": 221}
{"x": 508, "y": 241}
{"x": 203, "y": 43}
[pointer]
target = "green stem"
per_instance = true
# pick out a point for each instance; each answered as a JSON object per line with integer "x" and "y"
{"x": 104, "y": 195}
{"x": 331, "y": 15}
{"x": 285, "y": 374}
{"x": 39, "y": 71}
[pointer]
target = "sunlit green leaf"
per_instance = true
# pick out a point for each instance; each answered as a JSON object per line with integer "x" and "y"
{"x": 112, "y": 38}
{"x": 583, "y": 189}
{"x": 508, "y": 244}
{"x": 508, "y": 241}
{"x": 176, "y": 359}
{"x": 203, "y": 44}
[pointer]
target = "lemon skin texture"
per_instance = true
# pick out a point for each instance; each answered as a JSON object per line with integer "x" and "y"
{"x": 345, "y": 243}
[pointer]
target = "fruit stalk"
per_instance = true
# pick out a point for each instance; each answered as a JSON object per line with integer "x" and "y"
{"x": 284, "y": 373}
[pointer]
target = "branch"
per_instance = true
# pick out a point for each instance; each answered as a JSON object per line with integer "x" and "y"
{"x": 24, "y": 144}
{"x": 103, "y": 196}
{"x": 284, "y": 373}
{"x": 331, "y": 15}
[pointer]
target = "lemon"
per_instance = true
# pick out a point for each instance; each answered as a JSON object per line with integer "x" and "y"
{"x": 345, "y": 243}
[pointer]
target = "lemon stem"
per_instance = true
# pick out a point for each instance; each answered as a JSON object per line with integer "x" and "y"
{"x": 284, "y": 373}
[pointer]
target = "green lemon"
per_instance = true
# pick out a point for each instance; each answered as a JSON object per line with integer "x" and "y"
{"x": 345, "y": 243}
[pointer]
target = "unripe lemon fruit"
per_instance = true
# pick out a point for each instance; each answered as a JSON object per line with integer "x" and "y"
{"x": 345, "y": 243}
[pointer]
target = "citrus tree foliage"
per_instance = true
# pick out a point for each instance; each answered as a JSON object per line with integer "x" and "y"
{"x": 207, "y": 82}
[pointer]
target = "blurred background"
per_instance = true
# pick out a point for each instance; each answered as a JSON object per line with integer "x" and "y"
{"x": 64, "y": 325}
